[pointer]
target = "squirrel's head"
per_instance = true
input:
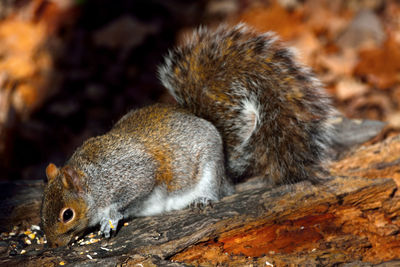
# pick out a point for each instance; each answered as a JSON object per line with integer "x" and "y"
{"x": 64, "y": 209}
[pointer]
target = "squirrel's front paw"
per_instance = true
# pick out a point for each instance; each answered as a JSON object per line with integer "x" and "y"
{"x": 110, "y": 223}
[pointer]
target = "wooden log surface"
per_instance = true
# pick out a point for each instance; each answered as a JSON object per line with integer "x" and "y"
{"x": 352, "y": 219}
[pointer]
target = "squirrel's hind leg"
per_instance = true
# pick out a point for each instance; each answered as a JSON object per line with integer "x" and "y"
{"x": 206, "y": 189}
{"x": 211, "y": 185}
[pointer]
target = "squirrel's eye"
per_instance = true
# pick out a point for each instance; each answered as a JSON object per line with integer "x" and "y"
{"x": 67, "y": 214}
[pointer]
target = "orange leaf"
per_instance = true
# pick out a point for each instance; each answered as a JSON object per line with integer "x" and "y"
{"x": 381, "y": 66}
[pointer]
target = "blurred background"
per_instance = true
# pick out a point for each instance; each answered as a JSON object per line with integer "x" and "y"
{"x": 70, "y": 68}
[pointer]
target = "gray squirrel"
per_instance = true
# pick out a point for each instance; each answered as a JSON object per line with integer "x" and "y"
{"x": 246, "y": 108}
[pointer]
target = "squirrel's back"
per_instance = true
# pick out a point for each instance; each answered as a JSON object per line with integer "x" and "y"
{"x": 271, "y": 111}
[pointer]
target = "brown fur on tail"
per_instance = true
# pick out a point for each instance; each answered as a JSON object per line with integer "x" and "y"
{"x": 271, "y": 111}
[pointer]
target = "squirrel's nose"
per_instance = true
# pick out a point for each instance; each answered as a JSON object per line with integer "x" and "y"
{"x": 54, "y": 244}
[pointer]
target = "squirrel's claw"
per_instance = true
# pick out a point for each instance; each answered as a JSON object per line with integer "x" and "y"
{"x": 109, "y": 223}
{"x": 107, "y": 226}
{"x": 201, "y": 204}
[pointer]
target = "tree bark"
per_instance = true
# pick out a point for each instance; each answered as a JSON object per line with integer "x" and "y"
{"x": 351, "y": 219}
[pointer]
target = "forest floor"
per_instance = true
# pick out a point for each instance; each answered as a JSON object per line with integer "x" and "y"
{"x": 70, "y": 68}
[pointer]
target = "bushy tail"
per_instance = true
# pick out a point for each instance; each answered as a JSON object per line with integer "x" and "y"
{"x": 270, "y": 110}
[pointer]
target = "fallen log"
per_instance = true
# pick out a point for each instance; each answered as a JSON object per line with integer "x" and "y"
{"x": 352, "y": 219}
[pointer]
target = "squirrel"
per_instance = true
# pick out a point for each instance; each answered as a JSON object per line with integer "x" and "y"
{"x": 246, "y": 108}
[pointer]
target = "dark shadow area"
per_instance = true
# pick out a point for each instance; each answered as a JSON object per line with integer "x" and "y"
{"x": 105, "y": 60}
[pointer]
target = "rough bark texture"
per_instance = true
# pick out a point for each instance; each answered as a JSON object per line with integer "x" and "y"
{"x": 350, "y": 220}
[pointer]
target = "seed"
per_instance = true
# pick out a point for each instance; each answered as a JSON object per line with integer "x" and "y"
{"x": 35, "y": 227}
{"x": 27, "y": 232}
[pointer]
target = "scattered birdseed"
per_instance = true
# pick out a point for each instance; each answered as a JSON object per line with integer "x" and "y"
{"x": 32, "y": 236}
{"x": 90, "y": 257}
{"x": 62, "y": 263}
{"x": 126, "y": 224}
{"x": 93, "y": 240}
{"x": 23, "y": 251}
{"x": 106, "y": 249}
{"x": 27, "y": 241}
{"x": 27, "y": 232}
{"x": 35, "y": 227}
{"x": 91, "y": 235}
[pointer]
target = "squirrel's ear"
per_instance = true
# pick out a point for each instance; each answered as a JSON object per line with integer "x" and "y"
{"x": 70, "y": 178}
{"x": 51, "y": 172}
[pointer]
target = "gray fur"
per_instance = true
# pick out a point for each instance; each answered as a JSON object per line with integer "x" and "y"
{"x": 122, "y": 173}
{"x": 155, "y": 159}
